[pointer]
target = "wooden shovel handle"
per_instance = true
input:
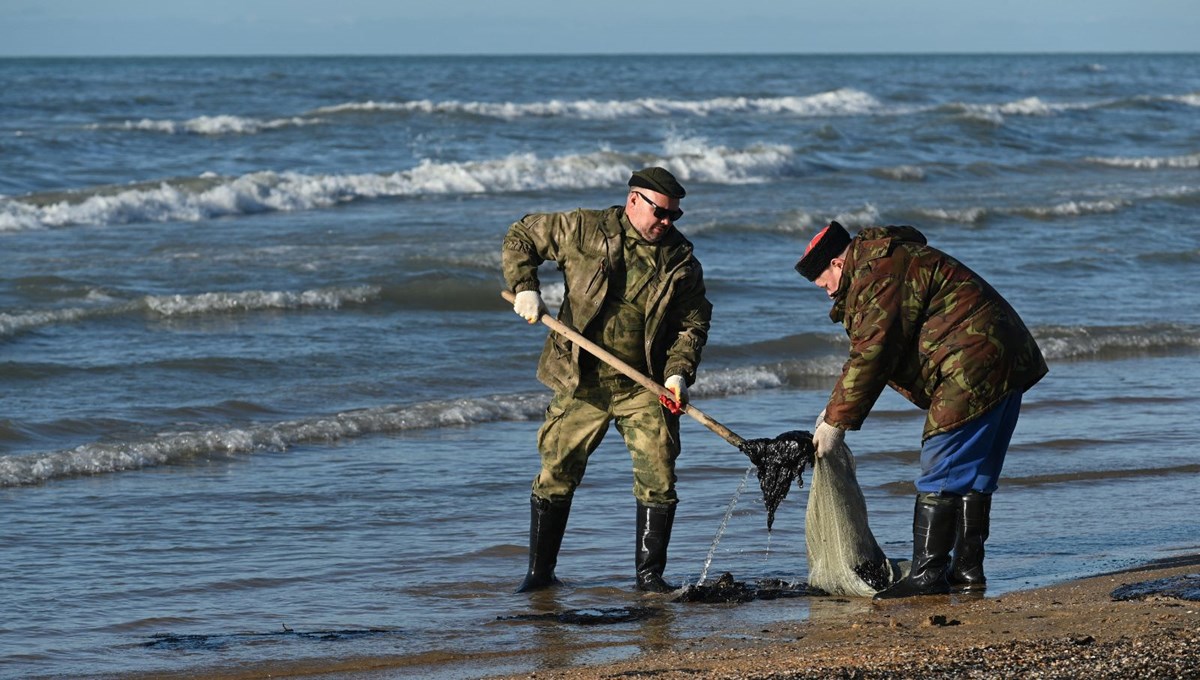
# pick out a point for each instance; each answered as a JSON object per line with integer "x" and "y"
{"x": 631, "y": 372}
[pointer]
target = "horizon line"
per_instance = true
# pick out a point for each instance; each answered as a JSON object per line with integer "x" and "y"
{"x": 344, "y": 55}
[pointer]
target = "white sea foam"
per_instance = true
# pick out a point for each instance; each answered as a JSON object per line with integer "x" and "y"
{"x": 1083, "y": 342}
{"x": 553, "y": 294}
{"x": 187, "y": 305}
{"x": 1030, "y": 106}
{"x": 1074, "y": 208}
{"x": 803, "y": 222}
{"x": 1149, "y": 162}
{"x": 205, "y": 303}
{"x": 1192, "y": 99}
{"x": 841, "y": 102}
{"x": 866, "y": 216}
{"x": 212, "y": 125}
{"x": 180, "y": 447}
{"x": 12, "y": 324}
{"x": 693, "y": 159}
{"x": 903, "y": 173}
{"x": 976, "y": 214}
{"x": 728, "y": 381}
{"x": 959, "y": 215}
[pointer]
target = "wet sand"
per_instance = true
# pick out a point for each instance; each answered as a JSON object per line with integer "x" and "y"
{"x": 1071, "y": 630}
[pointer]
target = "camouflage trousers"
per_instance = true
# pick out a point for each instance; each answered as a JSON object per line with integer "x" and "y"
{"x": 576, "y": 424}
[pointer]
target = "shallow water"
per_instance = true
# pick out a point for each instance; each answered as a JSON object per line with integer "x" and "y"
{"x": 263, "y": 403}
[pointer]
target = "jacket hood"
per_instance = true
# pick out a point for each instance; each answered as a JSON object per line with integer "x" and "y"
{"x": 889, "y": 235}
{"x": 869, "y": 244}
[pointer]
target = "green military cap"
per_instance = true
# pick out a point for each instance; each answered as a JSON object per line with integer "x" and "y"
{"x": 657, "y": 179}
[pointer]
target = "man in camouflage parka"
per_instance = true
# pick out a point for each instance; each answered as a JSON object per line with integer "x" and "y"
{"x": 937, "y": 333}
{"x": 632, "y": 286}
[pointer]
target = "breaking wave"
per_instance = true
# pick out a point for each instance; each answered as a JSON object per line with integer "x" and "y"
{"x": 211, "y": 125}
{"x": 200, "y": 198}
{"x": 841, "y": 102}
{"x": 822, "y": 361}
{"x": 167, "y": 306}
{"x": 1149, "y": 162}
{"x": 1065, "y": 209}
{"x": 845, "y": 101}
{"x": 180, "y": 447}
{"x": 1115, "y": 342}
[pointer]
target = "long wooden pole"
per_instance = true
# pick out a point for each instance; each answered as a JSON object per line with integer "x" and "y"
{"x": 631, "y": 372}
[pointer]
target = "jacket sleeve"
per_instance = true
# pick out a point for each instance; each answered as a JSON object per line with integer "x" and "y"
{"x": 875, "y": 326}
{"x": 530, "y": 241}
{"x": 692, "y": 314}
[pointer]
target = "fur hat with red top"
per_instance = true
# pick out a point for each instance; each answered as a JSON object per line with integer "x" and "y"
{"x": 821, "y": 250}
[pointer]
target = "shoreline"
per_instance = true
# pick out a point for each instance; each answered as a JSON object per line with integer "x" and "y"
{"x": 1068, "y": 630}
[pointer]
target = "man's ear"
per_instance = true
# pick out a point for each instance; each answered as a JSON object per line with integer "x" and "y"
{"x": 841, "y": 259}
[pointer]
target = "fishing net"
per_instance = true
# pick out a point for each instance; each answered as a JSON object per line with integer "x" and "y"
{"x": 843, "y": 557}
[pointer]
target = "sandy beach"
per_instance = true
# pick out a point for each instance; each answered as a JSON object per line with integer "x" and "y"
{"x": 1076, "y": 629}
{"x": 1070, "y": 630}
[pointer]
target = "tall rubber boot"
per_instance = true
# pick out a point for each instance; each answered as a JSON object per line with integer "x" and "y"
{"x": 547, "y": 523}
{"x": 974, "y": 521}
{"x": 933, "y": 539}
{"x": 653, "y": 534}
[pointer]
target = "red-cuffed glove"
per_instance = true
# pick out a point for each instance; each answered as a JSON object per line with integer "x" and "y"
{"x": 678, "y": 387}
{"x": 670, "y": 405}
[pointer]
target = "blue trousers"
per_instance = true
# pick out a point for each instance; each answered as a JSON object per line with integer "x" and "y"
{"x": 970, "y": 457}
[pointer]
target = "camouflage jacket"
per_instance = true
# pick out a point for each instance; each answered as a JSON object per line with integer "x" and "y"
{"x": 587, "y": 247}
{"x": 927, "y": 325}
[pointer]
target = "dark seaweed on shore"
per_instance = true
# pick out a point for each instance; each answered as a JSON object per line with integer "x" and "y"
{"x": 779, "y": 461}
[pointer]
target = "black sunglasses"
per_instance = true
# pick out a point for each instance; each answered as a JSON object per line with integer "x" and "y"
{"x": 660, "y": 212}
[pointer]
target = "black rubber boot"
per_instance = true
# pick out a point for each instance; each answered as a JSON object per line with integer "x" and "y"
{"x": 974, "y": 520}
{"x": 547, "y": 523}
{"x": 653, "y": 535}
{"x": 933, "y": 539}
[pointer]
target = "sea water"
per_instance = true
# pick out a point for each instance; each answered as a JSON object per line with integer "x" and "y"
{"x": 263, "y": 404}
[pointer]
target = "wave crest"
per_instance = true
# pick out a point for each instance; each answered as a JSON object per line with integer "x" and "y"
{"x": 209, "y": 197}
{"x": 187, "y": 305}
{"x": 212, "y": 125}
{"x": 180, "y": 447}
{"x": 840, "y": 102}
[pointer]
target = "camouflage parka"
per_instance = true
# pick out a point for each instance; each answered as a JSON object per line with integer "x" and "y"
{"x": 587, "y": 246}
{"x": 927, "y": 325}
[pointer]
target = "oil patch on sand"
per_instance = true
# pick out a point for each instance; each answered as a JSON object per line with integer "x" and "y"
{"x": 728, "y": 590}
{"x": 1184, "y": 587}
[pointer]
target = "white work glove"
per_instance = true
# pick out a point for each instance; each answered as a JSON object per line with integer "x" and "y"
{"x": 827, "y": 438}
{"x": 678, "y": 387}
{"x": 529, "y": 306}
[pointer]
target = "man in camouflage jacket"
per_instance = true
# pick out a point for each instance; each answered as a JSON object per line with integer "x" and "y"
{"x": 633, "y": 286}
{"x": 937, "y": 333}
